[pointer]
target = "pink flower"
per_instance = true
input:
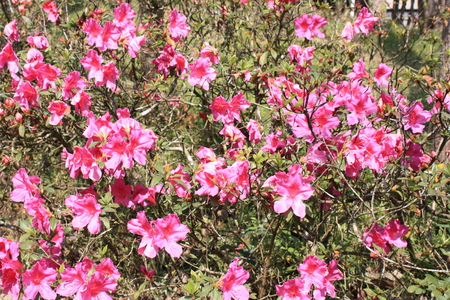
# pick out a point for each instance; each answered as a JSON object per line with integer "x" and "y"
{"x": 38, "y": 278}
{"x": 391, "y": 234}
{"x": 394, "y": 232}
{"x": 89, "y": 281}
{"x": 141, "y": 226}
{"x": 87, "y": 212}
{"x": 382, "y": 73}
{"x": 315, "y": 272}
{"x": 110, "y": 75}
{"x": 50, "y": 8}
{"x": 123, "y": 14}
{"x": 11, "y": 31}
{"x": 58, "y": 110}
{"x": 301, "y": 55}
{"x": 211, "y": 53}
{"x": 93, "y": 62}
{"x": 170, "y": 59}
{"x": 25, "y": 187}
{"x": 201, "y": 73}
{"x": 365, "y": 22}
{"x": 228, "y": 111}
{"x": 178, "y": 26}
{"x": 82, "y": 102}
{"x": 73, "y": 84}
{"x": 122, "y": 193}
{"x": 308, "y": 27}
{"x": 415, "y": 116}
{"x": 54, "y": 246}
{"x": 293, "y": 289}
{"x": 168, "y": 232}
{"x": 293, "y": 189}
{"x": 254, "y": 135}
{"x": 26, "y": 95}
{"x": 348, "y": 31}
{"x": 9, "y": 58}
{"x": 359, "y": 70}
{"x": 159, "y": 234}
{"x": 46, "y": 76}
{"x": 39, "y": 42}
{"x": 233, "y": 282}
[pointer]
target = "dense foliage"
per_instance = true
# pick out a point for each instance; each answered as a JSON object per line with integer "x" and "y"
{"x": 220, "y": 150}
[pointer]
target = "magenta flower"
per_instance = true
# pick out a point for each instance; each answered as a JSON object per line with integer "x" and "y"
{"x": 233, "y": 282}
{"x": 159, "y": 234}
{"x": 38, "y": 278}
{"x": 382, "y": 73}
{"x": 293, "y": 189}
{"x": 201, "y": 73}
{"x": 50, "y": 8}
{"x": 11, "y": 31}
{"x": 178, "y": 26}
{"x": 168, "y": 232}
{"x": 293, "y": 289}
{"x": 308, "y": 27}
{"x": 8, "y": 57}
{"x": 87, "y": 212}
{"x": 58, "y": 110}
{"x": 365, "y": 22}
{"x": 25, "y": 187}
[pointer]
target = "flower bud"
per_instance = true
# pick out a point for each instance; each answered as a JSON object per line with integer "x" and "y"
{"x": 18, "y": 117}
{"x": 9, "y": 103}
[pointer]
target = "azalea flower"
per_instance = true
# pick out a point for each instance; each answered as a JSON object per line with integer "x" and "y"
{"x": 159, "y": 234}
{"x": 11, "y": 31}
{"x": 178, "y": 26}
{"x": 58, "y": 110}
{"x": 87, "y": 212}
{"x": 382, "y": 73}
{"x": 50, "y": 8}
{"x": 38, "y": 278}
{"x": 201, "y": 73}
{"x": 233, "y": 282}
{"x": 8, "y": 57}
{"x": 308, "y": 27}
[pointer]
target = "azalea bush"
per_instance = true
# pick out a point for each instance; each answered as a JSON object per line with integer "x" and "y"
{"x": 219, "y": 150}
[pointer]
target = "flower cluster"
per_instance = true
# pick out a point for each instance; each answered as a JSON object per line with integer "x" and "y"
{"x": 159, "y": 234}
{"x": 313, "y": 272}
{"x": 116, "y": 145}
{"x": 382, "y": 236}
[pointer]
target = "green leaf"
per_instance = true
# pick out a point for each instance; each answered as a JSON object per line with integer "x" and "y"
{"x": 432, "y": 279}
{"x": 108, "y": 209}
{"x": 191, "y": 287}
{"x": 263, "y": 58}
{"x": 106, "y": 222}
{"x": 156, "y": 179}
{"x": 25, "y": 245}
{"x": 22, "y": 130}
